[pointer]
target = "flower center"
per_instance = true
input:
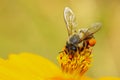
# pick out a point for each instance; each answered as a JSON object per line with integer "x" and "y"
{"x": 76, "y": 63}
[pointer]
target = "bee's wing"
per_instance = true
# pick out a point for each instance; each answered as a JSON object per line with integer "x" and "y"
{"x": 93, "y": 29}
{"x": 69, "y": 18}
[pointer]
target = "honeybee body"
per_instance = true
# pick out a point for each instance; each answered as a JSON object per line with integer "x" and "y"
{"x": 76, "y": 55}
{"x": 73, "y": 49}
{"x": 76, "y": 44}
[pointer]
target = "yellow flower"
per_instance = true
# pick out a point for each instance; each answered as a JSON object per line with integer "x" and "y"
{"x": 28, "y": 66}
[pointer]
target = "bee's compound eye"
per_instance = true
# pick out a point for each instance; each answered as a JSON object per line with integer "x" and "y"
{"x": 92, "y": 42}
{"x": 73, "y": 48}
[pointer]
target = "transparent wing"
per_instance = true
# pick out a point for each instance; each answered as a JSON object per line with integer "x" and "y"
{"x": 91, "y": 30}
{"x": 69, "y": 18}
{"x": 94, "y": 28}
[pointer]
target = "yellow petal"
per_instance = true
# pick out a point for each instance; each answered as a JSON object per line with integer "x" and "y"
{"x": 27, "y": 66}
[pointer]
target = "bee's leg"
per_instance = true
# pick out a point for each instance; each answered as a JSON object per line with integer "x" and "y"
{"x": 83, "y": 48}
{"x": 80, "y": 47}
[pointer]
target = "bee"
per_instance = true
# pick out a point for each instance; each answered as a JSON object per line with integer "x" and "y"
{"x": 76, "y": 55}
{"x": 78, "y": 40}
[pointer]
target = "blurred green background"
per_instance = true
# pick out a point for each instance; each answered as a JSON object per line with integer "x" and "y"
{"x": 37, "y": 26}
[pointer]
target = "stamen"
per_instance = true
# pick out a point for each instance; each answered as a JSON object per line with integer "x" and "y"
{"x": 78, "y": 63}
